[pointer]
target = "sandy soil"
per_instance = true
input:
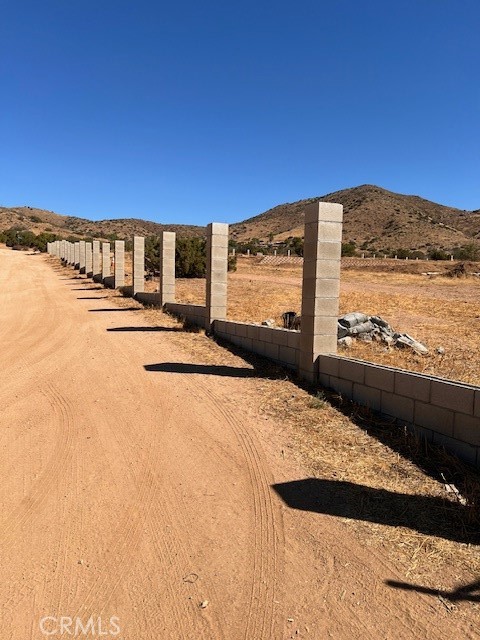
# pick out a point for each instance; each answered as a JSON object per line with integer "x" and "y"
{"x": 136, "y": 483}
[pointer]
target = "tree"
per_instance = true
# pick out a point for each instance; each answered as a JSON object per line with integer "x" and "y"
{"x": 348, "y": 249}
{"x": 152, "y": 254}
{"x": 470, "y": 251}
{"x": 296, "y": 244}
{"x": 438, "y": 254}
{"x": 190, "y": 258}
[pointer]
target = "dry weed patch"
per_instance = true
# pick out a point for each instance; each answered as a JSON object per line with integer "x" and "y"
{"x": 429, "y": 534}
{"x": 442, "y": 312}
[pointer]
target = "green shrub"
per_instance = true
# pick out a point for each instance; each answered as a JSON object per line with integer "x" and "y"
{"x": 348, "y": 249}
{"x": 438, "y": 254}
{"x": 232, "y": 263}
{"x": 190, "y": 258}
{"x": 468, "y": 252}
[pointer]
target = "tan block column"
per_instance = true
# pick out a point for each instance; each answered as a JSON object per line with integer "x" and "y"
{"x": 96, "y": 259}
{"x": 77, "y": 255}
{"x": 119, "y": 270}
{"x": 321, "y": 284}
{"x": 81, "y": 253}
{"x": 105, "y": 260}
{"x": 138, "y": 264}
{"x": 88, "y": 259}
{"x": 167, "y": 267}
{"x": 71, "y": 260}
{"x": 217, "y": 267}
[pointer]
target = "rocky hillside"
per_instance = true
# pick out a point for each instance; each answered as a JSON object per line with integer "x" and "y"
{"x": 374, "y": 218}
{"x": 38, "y": 220}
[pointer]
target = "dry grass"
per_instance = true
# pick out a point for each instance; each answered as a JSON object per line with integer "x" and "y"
{"x": 339, "y": 442}
{"x": 439, "y": 312}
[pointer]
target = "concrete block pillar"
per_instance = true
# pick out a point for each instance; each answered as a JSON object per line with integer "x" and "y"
{"x": 138, "y": 264}
{"x": 105, "y": 260}
{"x": 82, "y": 256}
{"x": 88, "y": 259}
{"x": 96, "y": 261}
{"x": 119, "y": 271}
{"x": 77, "y": 255}
{"x": 321, "y": 284}
{"x": 167, "y": 267}
{"x": 71, "y": 255}
{"x": 217, "y": 268}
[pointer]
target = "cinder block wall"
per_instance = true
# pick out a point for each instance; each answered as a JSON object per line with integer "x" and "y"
{"x": 442, "y": 411}
{"x": 280, "y": 345}
{"x": 193, "y": 313}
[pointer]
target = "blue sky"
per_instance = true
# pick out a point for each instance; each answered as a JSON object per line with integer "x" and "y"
{"x": 193, "y": 112}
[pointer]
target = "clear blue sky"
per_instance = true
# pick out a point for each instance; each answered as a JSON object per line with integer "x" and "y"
{"x": 193, "y": 111}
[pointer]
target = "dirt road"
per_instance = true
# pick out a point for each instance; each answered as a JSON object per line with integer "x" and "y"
{"x": 136, "y": 489}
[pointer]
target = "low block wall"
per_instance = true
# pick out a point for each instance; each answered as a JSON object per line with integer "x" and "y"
{"x": 109, "y": 282}
{"x": 280, "y": 345}
{"x": 149, "y": 299}
{"x": 192, "y": 312}
{"x": 442, "y": 411}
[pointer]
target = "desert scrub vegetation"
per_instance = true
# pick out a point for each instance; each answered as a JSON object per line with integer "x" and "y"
{"x": 442, "y": 312}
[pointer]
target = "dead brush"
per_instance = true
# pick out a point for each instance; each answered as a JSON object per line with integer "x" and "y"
{"x": 343, "y": 442}
{"x": 189, "y": 326}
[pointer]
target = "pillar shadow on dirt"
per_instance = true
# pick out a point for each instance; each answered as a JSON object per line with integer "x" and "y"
{"x": 426, "y": 514}
{"x": 145, "y": 329}
{"x": 257, "y": 367}
{"x": 113, "y": 310}
{"x": 89, "y": 289}
{"x": 204, "y": 369}
{"x": 430, "y": 458}
{"x": 467, "y": 593}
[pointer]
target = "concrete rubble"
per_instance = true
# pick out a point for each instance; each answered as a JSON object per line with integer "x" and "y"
{"x": 360, "y": 326}
{"x": 369, "y": 328}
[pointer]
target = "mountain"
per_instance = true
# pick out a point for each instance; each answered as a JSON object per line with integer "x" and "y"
{"x": 38, "y": 220}
{"x": 373, "y": 218}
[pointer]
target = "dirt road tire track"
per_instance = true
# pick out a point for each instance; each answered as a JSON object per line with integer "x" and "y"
{"x": 142, "y": 494}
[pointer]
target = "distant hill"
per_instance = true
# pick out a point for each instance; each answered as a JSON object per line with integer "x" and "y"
{"x": 38, "y": 220}
{"x": 374, "y": 218}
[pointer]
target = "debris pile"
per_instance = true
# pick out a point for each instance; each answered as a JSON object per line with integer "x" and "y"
{"x": 369, "y": 328}
{"x": 362, "y": 327}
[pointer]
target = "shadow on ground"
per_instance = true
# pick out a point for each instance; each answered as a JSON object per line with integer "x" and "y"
{"x": 146, "y": 329}
{"x": 467, "y": 593}
{"x": 122, "y": 309}
{"x": 430, "y": 458}
{"x": 206, "y": 369}
{"x": 426, "y": 514}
